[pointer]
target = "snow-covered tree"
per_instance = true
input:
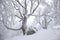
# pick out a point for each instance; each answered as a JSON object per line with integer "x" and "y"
{"x": 39, "y": 11}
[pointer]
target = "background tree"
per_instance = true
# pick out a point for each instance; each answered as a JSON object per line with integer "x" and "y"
{"x": 57, "y": 13}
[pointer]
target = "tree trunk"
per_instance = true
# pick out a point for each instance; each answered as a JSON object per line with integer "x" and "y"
{"x": 45, "y": 22}
{"x": 24, "y": 25}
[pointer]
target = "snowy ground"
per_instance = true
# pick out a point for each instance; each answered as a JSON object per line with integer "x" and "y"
{"x": 48, "y": 34}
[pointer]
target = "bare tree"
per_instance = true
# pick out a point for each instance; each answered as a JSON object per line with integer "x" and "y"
{"x": 47, "y": 15}
{"x": 23, "y": 15}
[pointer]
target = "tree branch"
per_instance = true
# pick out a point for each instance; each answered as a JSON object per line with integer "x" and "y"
{"x": 19, "y": 17}
{"x": 49, "y": 21}
{"x": 31, "y": 6}
{"x": 20, "y": 4}
{"x": 39, "y": 19}
{"x": 20, "y": 20}
{"x": 20, "y": 13}
{"x": 10, "y": 28}
{"x": 35, "y": 8}
{"x": 25, "y": 8}
{"x": 18, "y": 10}
{"x": 52, "y": 16}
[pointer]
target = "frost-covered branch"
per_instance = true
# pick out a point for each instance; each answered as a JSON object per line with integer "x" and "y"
{"x": 10, "y": 28}
{"x": 35, "y": 8}
{"x": 20, "y": 4}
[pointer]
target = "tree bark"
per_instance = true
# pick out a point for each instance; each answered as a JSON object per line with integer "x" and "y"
{"x": 45, "y": 22}
{"x": 24, "y": 25}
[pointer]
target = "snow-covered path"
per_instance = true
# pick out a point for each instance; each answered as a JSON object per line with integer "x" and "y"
{"x": 48, "y": 34}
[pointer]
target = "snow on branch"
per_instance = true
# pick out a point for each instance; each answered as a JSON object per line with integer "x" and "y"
{"x": 10, "y": 28}
{"x": 20, "y": 4}
{"x": 35, "y": 8}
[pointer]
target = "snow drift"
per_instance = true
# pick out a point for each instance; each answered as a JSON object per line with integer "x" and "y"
{"x": 43, "y": 34}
